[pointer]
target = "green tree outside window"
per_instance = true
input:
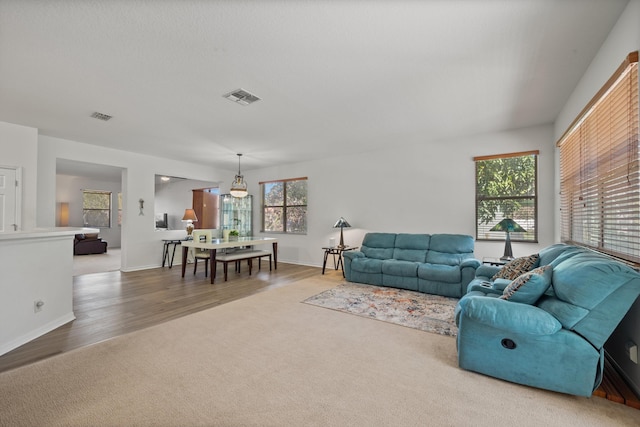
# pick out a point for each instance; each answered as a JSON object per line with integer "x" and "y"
{"x": 96, "y": 208}
{"x": 506, "y": 187}
{"x": 285, "y": 206}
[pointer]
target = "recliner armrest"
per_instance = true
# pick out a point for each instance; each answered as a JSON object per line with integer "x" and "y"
{"x": 487, "y": 271}
{"x": 485, "y": 287}
{"x": 353, "y": 254}
{"x": 508, "y": 316}
{"x": 501, "y": 284}
{"x": 470, "y": 262}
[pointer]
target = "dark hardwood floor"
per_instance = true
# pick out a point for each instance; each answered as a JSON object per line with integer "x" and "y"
{"x": 114, "y": 303}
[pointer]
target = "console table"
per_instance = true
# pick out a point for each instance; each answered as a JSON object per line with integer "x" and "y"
{"x": 494, "y": 261}
{"x": 166, "y": 258}
{"x": 216, "y": 244}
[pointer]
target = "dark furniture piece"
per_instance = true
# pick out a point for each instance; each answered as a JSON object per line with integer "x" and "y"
{"x": 167, "y": 255}
{"x": 88, "y": 244}
{"x": 241, "y": 255}
{"x": 494, "y": 261}
{"x": 336, "y": 250}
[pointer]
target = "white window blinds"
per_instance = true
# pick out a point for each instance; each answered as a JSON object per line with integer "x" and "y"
{"x": 599, "y": 170}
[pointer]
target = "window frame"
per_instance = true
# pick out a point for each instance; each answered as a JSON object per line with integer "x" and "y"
{"x": 598, "y": 154}
{"x": 284, "y": 206}
{"x": 109, "y": 194}
{"x": 501, "y": 236}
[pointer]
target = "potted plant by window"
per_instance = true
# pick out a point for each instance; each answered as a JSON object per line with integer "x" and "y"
{"x": 233, "y": 235}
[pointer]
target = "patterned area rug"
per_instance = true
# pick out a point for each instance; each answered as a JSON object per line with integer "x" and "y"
{"x": 430, "y": 313}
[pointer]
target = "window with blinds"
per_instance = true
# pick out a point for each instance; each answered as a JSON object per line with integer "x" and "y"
{"x": 599, "y": 170}
{"x": 506, "y": 188}
{"x": 96, "y": 208}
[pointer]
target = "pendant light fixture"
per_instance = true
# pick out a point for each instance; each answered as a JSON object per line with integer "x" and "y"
{"x": 239, "y": 187}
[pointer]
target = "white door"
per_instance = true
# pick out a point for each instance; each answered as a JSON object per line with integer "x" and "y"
{"x": 8, "y": 198}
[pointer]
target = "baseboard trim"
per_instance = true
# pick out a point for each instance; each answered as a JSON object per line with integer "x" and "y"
{"x": 31, "y": 335}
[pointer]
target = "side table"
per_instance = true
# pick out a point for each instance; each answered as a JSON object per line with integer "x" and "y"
{"x": 336, "y": 250}
{"x": 494, "y": 261}
{"x": 166, "y": 256}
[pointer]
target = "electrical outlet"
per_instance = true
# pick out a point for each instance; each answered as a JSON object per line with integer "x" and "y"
{"x": 632, "y": 351}
{"x": 37, "y": 305}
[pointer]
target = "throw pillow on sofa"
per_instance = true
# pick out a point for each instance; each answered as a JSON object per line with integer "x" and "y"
{"x": 515, "y": 268}
{"x": 529, "y": 287}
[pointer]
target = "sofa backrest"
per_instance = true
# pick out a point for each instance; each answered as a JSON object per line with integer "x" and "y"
{"x": 411, "y": 247}
{"x": 450, "y": 249}
{"x": 378, "y": 245}
{"x": 550, "y": 253}
{"x": 591, "y": 293}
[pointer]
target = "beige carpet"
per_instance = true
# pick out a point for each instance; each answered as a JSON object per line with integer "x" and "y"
{"x": 97, "y": 263}
{"x": 270, "y": 360}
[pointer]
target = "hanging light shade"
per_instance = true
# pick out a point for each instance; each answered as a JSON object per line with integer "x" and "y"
{"x": 239, "y": 187}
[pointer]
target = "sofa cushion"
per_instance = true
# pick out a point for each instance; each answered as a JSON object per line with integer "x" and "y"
{"x": 377, "y": 253}
{"x": 91, "y": 236}
{"x": 587, "y": 278}
{"x": 411, "y": 247}
{"x": 450, "y": 249}
{"x": 400, "y": 268}
{"x": 439, "y": 273}
{"x": 514, "y": 268}
{"x": 452, "y": 243}
{"x": 567, "y": 314}
{"x": 548, "y": 254}
{"x": 367, "y": 265}
{"x": 529, "y": 287}
{"x": 378, "y": 245}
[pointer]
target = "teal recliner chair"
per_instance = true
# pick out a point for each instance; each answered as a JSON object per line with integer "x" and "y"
{"x": 552, "y": 335}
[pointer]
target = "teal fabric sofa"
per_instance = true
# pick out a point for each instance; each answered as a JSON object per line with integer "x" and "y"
{"x": 551, "y": 337}
{"x": 441, "y": 264}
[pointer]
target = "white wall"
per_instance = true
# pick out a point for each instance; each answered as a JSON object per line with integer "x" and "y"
{"x": 141, "y": 244}
{"x": 26, "y": 279}
{"x": 69, "y": 189}
{"x": 420, "y": 188}
{"x": 18, "y": 148}
{"x": 416, "y": 189}
{"x": 623, "y": 39}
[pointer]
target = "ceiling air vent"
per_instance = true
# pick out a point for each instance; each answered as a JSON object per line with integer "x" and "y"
{"x": 101, "y": 116}
{"x": 242, "y": 97}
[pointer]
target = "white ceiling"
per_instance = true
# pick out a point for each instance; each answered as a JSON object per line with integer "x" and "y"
{"x": 334, "y": 76}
